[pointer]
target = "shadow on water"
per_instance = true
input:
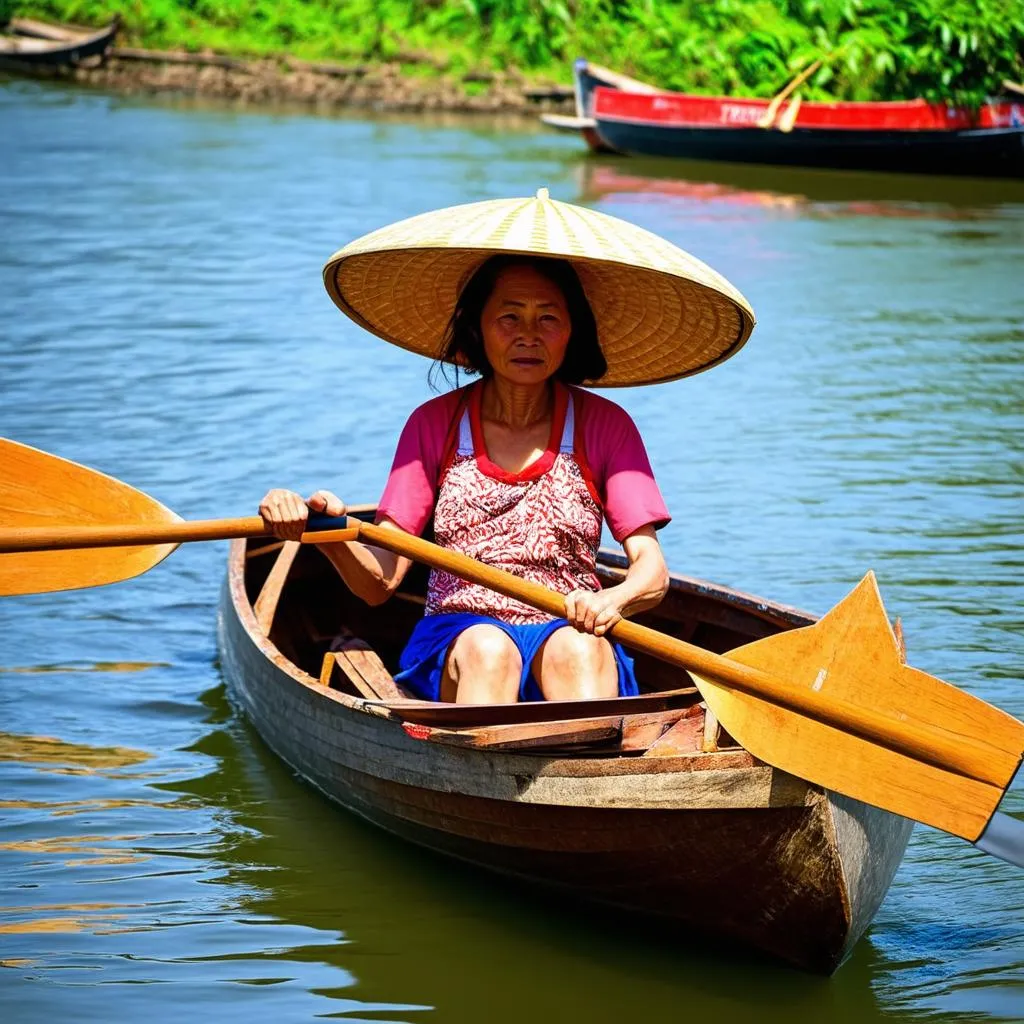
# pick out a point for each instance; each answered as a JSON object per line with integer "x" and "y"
{"x": 407, "y": 925}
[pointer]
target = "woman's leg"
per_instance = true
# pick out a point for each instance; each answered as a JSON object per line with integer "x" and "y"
{"x": 573, "y": 666}
{"x": 483, "y": 666}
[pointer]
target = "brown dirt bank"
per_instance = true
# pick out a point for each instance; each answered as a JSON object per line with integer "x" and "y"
{"x": 319, "y": 86}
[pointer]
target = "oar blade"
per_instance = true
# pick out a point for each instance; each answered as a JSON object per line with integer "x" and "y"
{"x": 767, "y": 119}
{"x": 788, "y": 119}
{"x": 852, "y": 655}
{"x": 42, "y": 490}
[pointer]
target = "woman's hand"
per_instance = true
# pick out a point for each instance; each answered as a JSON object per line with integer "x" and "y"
{"x": 286, "y": 514}
{"x": 594, "y": 611}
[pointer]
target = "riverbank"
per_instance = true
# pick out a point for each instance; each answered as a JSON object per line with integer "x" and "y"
{"x": 322, "y": 86}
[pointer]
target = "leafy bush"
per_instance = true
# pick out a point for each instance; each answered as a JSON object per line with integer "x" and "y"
{"x": 956, "y": 50}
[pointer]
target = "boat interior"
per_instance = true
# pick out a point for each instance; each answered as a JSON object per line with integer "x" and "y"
{"x": 321, "y": 628}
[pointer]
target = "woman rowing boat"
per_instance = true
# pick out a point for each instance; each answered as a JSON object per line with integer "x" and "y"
{"x": 520, "y": 468}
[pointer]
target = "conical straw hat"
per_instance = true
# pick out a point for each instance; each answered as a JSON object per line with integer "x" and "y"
{"x": 661, "y": 313}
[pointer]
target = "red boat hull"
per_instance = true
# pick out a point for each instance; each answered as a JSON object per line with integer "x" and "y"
{"x": 683, "y": 110}
{"x": 906, "y": 136}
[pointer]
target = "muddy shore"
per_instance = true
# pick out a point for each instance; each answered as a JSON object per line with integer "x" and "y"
{"x": 285, "y": 80}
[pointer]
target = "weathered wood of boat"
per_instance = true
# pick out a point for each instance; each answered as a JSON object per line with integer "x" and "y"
{"x": 641, "y": 803}
{"x": 37, "y": 44}
{"x": 916, "y": 136}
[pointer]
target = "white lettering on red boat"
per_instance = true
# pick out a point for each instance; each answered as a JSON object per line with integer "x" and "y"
{"x": 734, "y": 113}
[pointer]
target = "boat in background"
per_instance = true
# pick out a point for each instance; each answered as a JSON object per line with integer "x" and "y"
{"x": 911, "y": 135}
{"x": 618, "y": 114}
{"x": 640, "y": 803}
{"x": 38, "y": 44}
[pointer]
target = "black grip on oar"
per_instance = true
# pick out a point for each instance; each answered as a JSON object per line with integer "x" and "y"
{"x": 319, "y": 521}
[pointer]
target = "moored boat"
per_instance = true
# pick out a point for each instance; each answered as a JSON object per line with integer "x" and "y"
{"x": 619, "y": 114}
{"x": 913, "y": 136}
{"x": 37, "y": 44}
{"x": 641, "y": 803}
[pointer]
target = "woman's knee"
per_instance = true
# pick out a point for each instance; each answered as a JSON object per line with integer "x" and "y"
{"x": 486, "y": 647}
{"x": 485, "y": 664}
{"x": 576, "y": 665}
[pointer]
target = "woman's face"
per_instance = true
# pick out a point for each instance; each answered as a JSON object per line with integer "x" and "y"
{"x": 525, "y": 326}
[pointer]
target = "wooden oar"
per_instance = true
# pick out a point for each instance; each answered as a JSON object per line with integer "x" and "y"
{"x": 56, "y": 513}
{"x": 832, "y": 703}
{"x": 788, "y": 118}
{"x": 1013, "y": 87}
{"x": 767, "y": 119}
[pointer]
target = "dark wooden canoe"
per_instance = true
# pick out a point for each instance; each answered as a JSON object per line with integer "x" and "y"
{"x": 641, "y": 803}
{"x": 37, "y": 44}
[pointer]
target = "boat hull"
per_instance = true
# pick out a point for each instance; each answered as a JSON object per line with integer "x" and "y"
{"x": 747, "y": 853}
{"x": 988, "y": 152}
{"x": 55, "y": 49}
{"x": 913, "y": 136}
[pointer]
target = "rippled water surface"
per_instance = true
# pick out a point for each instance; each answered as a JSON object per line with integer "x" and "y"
{"x": 164, "y": 320}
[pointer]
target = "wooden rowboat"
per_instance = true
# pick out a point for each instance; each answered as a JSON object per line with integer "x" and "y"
{"x": 38, "y": 44}
{"x": 641, "y": 803}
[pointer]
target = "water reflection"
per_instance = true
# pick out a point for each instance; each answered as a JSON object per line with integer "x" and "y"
{"x": 213, "y": 858}
{"x": 785, "y": 188}
{"x": 100, "y": 666}
{"x": 75, "y": 756}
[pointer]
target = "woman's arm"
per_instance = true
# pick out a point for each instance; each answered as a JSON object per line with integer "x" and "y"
{"x": 371, "y": 573}
{"x": 646, "y": 583}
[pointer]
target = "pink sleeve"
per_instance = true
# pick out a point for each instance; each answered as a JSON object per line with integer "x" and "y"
{"x": 621, "y": 470}
{"x": 411, "y": 489}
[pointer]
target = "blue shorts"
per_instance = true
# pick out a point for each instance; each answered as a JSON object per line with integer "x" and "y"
{"x": 421, "y": 666}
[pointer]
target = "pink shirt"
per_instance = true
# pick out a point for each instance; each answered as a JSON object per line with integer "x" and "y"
{"x": 611, "y": 446}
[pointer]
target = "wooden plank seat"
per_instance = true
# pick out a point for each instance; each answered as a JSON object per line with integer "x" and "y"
{"x": 361, "y": 667}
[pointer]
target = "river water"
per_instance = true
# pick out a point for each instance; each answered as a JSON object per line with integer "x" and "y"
{"x": 164, "y": 321}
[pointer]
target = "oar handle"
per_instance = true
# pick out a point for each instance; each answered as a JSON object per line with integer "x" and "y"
{"x": 38, "y": 538}
{"x": 952, "y": 753}
{"x": 768, "y": 117}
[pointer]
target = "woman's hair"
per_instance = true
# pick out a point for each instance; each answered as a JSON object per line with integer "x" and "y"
{"x": 464, "y": 341}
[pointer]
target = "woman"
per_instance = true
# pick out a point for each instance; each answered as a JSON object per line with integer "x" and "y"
{"x": 519, "y": 468}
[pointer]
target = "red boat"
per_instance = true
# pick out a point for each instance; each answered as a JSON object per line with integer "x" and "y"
{"x": 911, "y": 135}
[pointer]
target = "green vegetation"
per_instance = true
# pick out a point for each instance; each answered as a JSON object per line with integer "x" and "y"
{"x": 873, "y": 49}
